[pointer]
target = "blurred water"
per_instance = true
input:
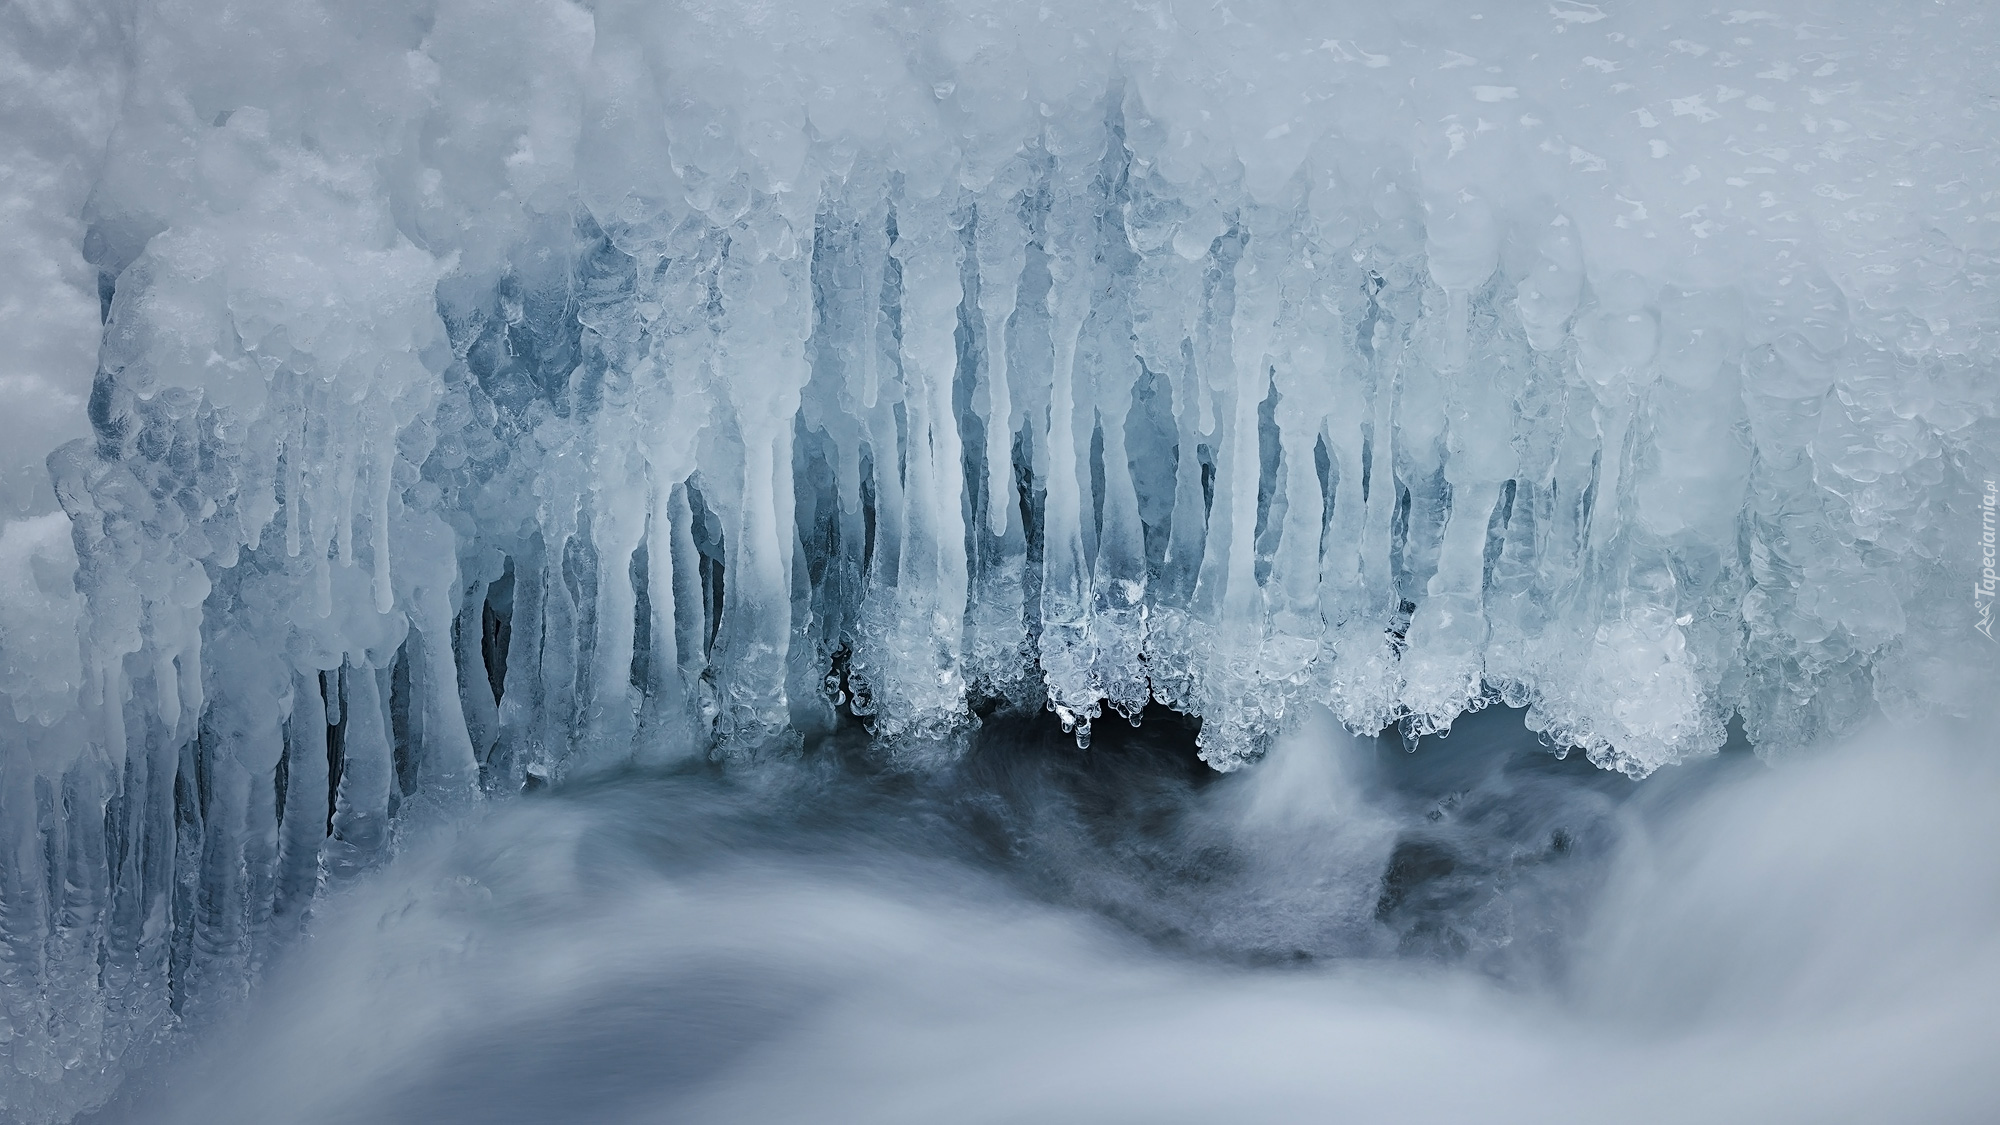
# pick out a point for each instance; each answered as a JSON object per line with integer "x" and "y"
{"x": 1477, "y": 931}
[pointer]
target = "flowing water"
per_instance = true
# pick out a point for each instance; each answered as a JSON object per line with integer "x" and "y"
{"x": 1476, "y": 931}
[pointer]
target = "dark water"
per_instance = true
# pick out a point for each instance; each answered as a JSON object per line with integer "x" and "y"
{"x": 1474, "y": 932}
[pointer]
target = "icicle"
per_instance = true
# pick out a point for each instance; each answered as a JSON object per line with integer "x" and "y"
{"x": 669, "y": 733}
{"x": 1118, "y": 605}
{"x": 446, "y": 763}
{"x": 907, "y": 658}
{"x": 360, "y": 832}
{"x": 761, "y": 361}
{"x": 1000, "y": 247}
{"x": 385, "y": 596}
{"x": 1066, "y": 656}
{"x": 304, "y": 826}
{"x": 618, "y": 527}
{"x": 691, "y": 610}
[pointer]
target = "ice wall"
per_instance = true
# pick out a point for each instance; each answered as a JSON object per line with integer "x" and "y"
{"x": 490, "y": 390}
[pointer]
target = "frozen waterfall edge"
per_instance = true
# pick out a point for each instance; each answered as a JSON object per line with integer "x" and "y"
{"x": 585, "y": 388}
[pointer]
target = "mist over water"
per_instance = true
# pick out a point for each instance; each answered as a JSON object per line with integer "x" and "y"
{"x": 1474, "y": 931}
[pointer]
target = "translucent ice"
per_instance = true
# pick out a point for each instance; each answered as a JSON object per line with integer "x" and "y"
{"x": 493, "y": 390}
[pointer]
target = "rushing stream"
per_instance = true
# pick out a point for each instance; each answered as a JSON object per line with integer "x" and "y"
{"x": 1475, "y": 931}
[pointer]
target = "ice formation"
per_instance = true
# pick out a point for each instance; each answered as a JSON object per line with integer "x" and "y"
{"x": 489, "y": 390}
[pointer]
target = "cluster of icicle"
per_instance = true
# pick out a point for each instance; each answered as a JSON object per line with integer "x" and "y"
{"x": 572, "y": 388}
